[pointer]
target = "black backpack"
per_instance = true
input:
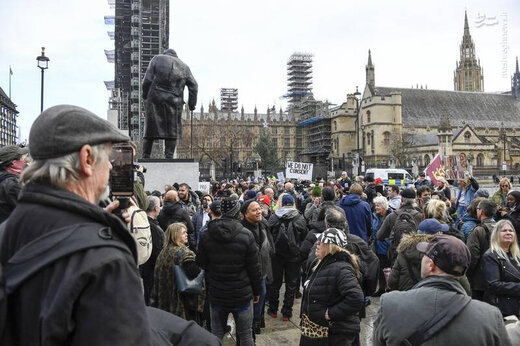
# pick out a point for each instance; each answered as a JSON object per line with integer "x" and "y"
{"x": 41, "y": 252}
{"x": 405, "y": 223}
{"x": 285, "y": 244}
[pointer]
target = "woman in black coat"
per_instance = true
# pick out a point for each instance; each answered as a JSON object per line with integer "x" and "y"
{"x": 502, "y": 269}
{"x": 332, "y": 297}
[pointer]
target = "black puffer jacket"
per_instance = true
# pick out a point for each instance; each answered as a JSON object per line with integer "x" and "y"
{"x": 9, "y": 191}
{"x": 174, "y": 212}
{"x": 503, "y": 283}
{"x": 229, "y": 254}
{"x": 334, "y": 286}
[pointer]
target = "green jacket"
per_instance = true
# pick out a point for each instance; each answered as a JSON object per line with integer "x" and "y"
{"x": 401, "y": 313}
{"x": 499, "y": 198}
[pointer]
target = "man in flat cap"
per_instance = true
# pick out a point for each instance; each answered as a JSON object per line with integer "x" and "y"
{"x": 163, "y": 91}
{"x": 89, "y": 297}
{"x": 89, "y": 291}
{"x": 13, "y": 160}
{"x": 437, "y": 310}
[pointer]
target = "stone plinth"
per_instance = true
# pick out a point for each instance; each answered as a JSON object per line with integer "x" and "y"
{"x": 168, "y": 171}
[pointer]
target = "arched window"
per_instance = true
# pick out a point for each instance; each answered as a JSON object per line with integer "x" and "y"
{"x": 368, "y": 116}
{"x": 386, "y": 138}
{"x": 480, "y": 160}
{"x": 426, "y": 159}
{"x": 335, "y": 125}
{"x": 467, "y": 137}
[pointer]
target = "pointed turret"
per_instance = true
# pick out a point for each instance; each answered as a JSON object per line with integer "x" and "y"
{"x": 370, "y": 74}
{"x": 255, "y": 118}
{"x": 466, "y": 26}
{"x": 242, "y": 113}
{"x": 515, "y": 82}
{"x": 469, "y": 76}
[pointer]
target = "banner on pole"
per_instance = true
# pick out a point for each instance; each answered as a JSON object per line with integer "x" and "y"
{"x": 450, "y": 167}
{"x": 298, "y": 170}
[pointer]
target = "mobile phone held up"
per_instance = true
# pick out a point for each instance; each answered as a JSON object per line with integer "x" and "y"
{"x": 122, "y": 173}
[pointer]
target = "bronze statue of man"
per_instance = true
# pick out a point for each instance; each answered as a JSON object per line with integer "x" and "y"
{"x": 163, "y": 89}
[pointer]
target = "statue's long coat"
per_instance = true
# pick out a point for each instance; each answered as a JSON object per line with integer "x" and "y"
{"x": 163, "y": 89}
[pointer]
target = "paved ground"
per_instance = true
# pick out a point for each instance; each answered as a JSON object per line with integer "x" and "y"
{"x": 277, "y": 332}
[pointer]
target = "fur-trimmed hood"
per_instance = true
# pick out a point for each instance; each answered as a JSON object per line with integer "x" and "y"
{"x": 409, "y": 241}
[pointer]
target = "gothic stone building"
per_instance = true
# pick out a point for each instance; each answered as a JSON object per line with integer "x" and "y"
{"x": 228, "y": 138}
{"x": 399, "y": 125}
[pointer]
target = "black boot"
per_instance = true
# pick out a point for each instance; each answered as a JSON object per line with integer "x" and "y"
{"x": 256, "y": 327}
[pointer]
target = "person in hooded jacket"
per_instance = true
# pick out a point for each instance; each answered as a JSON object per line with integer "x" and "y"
{"x": 229, "y": 254}
{"x": 13, "y": 159}
{"x": 172, "y": 211}
{"x": 332, "y": 296}
{"x": 286, "y": 260}
{"x": 359, "y": 214}
{"x": 513, "y": 212}
{"x": 470, "y": 219}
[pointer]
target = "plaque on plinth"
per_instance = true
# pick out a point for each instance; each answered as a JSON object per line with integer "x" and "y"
{"x": 160, "y": 172}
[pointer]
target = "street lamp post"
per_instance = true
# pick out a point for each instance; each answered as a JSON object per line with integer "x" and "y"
{"x": 503, "y": 137}
{"x": 43, "y": 64}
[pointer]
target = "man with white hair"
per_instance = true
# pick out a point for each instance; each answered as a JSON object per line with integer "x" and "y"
{"x": 89, "y": 292}
{"x": 88, "y": 296}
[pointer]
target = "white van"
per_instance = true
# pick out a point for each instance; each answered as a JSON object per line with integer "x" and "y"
{"x": 395, "y": 176}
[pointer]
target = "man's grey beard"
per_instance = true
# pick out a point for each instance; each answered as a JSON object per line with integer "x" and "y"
{"x": 104, "y": 196}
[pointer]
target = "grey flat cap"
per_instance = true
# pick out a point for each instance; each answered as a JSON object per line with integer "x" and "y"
{"x": 64, "y": 129}
{"x": 11, "y": 153}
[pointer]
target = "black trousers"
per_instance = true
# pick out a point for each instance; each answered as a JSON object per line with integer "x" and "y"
{"x": 169, "y": 147}
{"x": 290, "y": 271}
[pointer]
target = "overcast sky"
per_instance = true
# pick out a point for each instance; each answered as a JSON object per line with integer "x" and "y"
{"x": 246, "y": 44}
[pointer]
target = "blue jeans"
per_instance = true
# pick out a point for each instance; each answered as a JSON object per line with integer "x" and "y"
{"x": 258, "y": 307}
{"x": 461, "y": 210}
{"x": 243, "y": 316}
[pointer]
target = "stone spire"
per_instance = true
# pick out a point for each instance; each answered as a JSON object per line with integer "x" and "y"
{"x": 515, "y": 82}
{"x": 468, "y": 75}
{"x": 370, "y": 73}
{"x": 445, "y": 125}
{"x": 255, "y": 118}
{"x": 242, "y": 113}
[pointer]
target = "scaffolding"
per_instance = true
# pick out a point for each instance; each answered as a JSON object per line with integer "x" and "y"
{"x": 141, "y": 32}
{"x": 228, "y": 99}
{"x": 299, "y": 78}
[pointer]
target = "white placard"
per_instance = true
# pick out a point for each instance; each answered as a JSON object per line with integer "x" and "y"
{"x": 204, "y": 186}
{"x": 298, "y": 170}
{"x": 281, "y": 177}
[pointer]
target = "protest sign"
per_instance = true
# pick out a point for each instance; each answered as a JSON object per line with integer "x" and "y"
{"x": 281, "y": 177}
{"x": 451, "y": 167}
{"x": 204, "y": 186}
{"x": 298, "y": 170}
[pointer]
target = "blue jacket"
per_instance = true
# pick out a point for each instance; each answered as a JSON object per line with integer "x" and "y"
{"x": 359, "y": 216}
{"x": 468, "y": 223}
{"x": 377, "y": 221}
{"x": 469, "y": 194}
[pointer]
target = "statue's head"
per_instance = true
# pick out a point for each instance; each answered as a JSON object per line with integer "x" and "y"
{"x": 170, "y": 52}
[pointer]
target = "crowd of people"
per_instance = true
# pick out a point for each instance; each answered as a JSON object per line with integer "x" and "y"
{"x": 444, "y": 259}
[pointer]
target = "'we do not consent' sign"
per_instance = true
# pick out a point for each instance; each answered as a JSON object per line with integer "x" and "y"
{"x": 298, "y": 170}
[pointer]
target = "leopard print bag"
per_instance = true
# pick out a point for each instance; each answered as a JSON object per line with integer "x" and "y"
{"x": 313, "y": 330}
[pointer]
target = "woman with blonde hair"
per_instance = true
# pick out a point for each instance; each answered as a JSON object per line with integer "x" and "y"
{"x": 437, "y": 209}
{"x": 502, "y": 269}
{"x": 165, "y": 295}
{"x": 332, "y": 296}
{"x": 500, "y": 197}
